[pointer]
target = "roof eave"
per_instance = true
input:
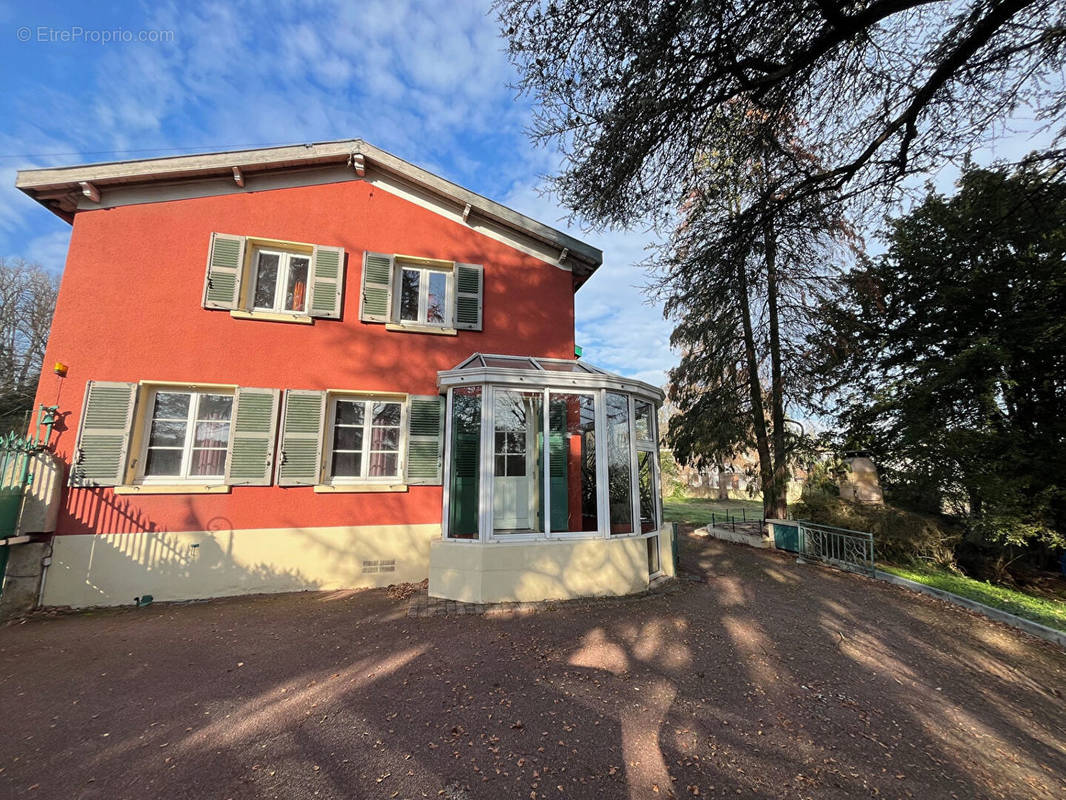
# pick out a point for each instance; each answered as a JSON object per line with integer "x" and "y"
{"x": 58, "y": 188}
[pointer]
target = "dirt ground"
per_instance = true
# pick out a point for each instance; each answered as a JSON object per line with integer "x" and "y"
{"x": 766, "y": 679}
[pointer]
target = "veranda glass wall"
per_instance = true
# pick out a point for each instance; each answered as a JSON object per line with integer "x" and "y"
{"x": 548, "y": 448}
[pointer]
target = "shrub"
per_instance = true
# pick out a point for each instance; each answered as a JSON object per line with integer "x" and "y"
{"x": 900, "y": 536}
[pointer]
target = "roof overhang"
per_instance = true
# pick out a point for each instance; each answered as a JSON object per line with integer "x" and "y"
{"x": 67, "y": 190}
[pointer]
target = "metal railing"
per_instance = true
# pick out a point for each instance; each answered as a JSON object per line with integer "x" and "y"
{"x": 839, "y": 547}
{"x": 16, "y": 455}
{"x": 731, "y": 521}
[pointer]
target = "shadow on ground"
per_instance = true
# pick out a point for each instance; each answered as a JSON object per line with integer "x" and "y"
{"x": 767, "y": 679}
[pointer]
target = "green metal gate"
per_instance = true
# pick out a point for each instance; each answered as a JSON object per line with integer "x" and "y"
{"x": 16, "y": 458}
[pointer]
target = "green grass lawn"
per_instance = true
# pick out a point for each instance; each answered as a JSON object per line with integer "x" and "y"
{"x": 1046, "y": 611}
{"x": 697, "y": 511}
{"x": 1039, "y": 609}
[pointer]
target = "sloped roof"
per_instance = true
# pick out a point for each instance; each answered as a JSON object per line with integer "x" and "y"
{"x": 67, "y": 190}
{"x": 530, "y": 372}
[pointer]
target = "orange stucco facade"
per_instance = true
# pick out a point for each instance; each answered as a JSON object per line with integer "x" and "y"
{"x": 129, "y": 309}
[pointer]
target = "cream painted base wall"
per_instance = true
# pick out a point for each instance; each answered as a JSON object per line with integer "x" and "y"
{"x": 529, "y": 571}
{"x": 113, "y": 569}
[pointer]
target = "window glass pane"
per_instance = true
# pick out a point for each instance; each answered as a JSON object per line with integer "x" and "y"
{"x": 646, "y": 484}
{"x": 346, "y": 465}
{"x": 384, "y": 465}
{"x": 350, "y": 412}
{"x": 572, "y": 454}
{"x": 409, "y": 281}
{"x": 211, "y": 434}
{"x": 465, "y": 455}
{"x": 386, "y": 413}
{"x": 561, "y": 366}
{"x": 619, "y": 464}
{"x": 385, "y": 439}
{"x": 171, "y": 405}
{"x": 167, "y": 433}
{"x": 348, "y": 437}
{"x": 643, "y": 422}
{"x": 214, "y": 406}
{"x": 518, "y": 493}
{"x": 208, "y": 462}
{"x": 349, "y": 418}
{"x": 296, "y": 287}
{"x": 507, "y": 363}
{"x": 436, "y": 298}
{"x": 162, "y": 462}
{"x": 266, "y": 279}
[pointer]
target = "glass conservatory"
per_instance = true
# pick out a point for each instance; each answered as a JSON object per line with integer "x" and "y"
{"x": 551, "y": 482}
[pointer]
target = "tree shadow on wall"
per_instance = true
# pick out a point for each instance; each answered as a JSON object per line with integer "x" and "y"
{"x": 138, "y": 557}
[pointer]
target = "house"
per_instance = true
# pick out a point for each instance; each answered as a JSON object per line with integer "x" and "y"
{"x": 322, "y": 367}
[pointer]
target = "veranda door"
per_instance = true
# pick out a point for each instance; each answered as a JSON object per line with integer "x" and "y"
{"x": 515, "y": 441}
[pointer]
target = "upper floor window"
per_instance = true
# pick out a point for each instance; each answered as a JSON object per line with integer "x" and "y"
{"x": 280, "y": 281}
{"x": 188, "y": 435}
{"x": 255, "y": 278}
{"x": 424, "y": 295}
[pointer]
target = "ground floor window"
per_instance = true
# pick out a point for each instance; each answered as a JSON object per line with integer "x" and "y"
{"x": 518, "y": 444}
{"x": 365, "y": 439}
{"x": 465, "y": 447}
{"x": 188, "y": 435}
{"x": 646, "y": 487}
{"x": 619, "y": 464}
{"x": 541, "y": 448}
{"x": 572, "y": 451}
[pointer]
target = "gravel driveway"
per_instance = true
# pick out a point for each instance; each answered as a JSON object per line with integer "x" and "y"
{"x": 767, "y": 679}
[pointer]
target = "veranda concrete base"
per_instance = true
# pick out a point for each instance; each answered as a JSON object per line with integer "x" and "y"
{"x": 739, "y": 537}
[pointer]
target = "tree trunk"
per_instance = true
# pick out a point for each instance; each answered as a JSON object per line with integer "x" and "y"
{"x": 776, "y": 503}
{"x": 758, "y": 413}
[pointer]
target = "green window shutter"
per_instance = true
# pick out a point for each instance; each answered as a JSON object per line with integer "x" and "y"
{"x": 225, "y": 265}
{"x": 469, "y": 292}
{"x": 376, "y": 293}
{"x": 300, "y": 459}
{"x": 104, "y": 434}
{"x": 250, "y": 460}
{"x": 558, "y": 457}
{"x": 425, "y": 440}
{"x": 327, "y": 282}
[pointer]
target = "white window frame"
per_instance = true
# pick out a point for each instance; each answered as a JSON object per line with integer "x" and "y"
{"x": 327, "y": 448}
{"x": 423, "y": 293}
{"x": 601, "y": 501}
{"x": 487, "y": 478}
{"x": 651, "y": 447}
{"x": 190, "y": 437}
{"x": 284, "y": 264}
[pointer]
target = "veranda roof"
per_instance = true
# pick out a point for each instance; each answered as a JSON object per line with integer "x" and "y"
{"x": 537, "y": 372}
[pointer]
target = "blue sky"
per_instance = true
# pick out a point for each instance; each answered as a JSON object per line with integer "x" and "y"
{"x": 427, "y": 81}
